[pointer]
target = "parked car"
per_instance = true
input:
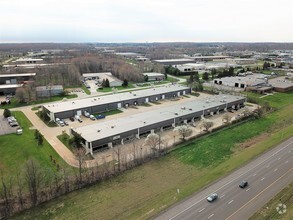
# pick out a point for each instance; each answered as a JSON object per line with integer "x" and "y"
{"x": 79, "y": 119}
{"x": 92, "y": 117}
{"x": 65, "y": 122}
{"x": 212, "y": 197}
{"x": 13, "y": 124}
{"x": 100, "y": 116}
{"x": 59, "y": 122}
{"x": 71, "y": 119}
{"x": 243, "y": 184}
{"x": 86, "y": 114}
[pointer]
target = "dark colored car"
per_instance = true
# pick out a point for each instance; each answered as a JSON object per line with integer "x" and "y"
{"x": 71, "y": 118}
{"x": 243, "y": 184}
{"x": 212, "y": 197}
{"x": 100, "y": 116}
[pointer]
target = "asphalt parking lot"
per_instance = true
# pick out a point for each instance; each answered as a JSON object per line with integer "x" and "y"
{"x": 5, "y": 127}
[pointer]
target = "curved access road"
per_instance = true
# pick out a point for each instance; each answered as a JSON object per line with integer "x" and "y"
{"x": 267, "y": 175}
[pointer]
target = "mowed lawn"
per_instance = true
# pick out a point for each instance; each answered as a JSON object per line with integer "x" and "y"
{"x": 146, "y": 190}
{"x": 15, "y": 149}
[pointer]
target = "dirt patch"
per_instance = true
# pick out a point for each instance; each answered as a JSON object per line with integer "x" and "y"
{"x": 253, "y": 141}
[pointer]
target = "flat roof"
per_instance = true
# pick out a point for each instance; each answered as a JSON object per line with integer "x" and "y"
{"x": 10, "y": 86}
{"x": 17, "y": 75}
{"x": 254, "y": 79}
{"x": 95, "y": 74}
{"x": 281, "y": 82}
{"x": 115, "y": 127}
{"x": 174, "y": 60}
{"x": 99, "y": 100}
{"x": 28, "y": 59}
{"x": 153, "y": 74}
{"x": 211, "y": 57}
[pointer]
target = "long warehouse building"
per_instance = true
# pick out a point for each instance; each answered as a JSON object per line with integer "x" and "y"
{"x": 67, "y": 109}
{"x": 109, "y": 133}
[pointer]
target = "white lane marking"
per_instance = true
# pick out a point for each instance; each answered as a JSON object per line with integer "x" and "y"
{"x": 211, "y": 215}
{"x": 189, "y": 207}
{"x": 230, "y": 201}
{"x": 201, "y": 210}
{"x": 279, "y": 158}
{"x": 254, "y": 174}
{"x": 275, "y": 169}
{"x": 262, "y": 179}
{"x": 286, "y": 161}
{"x": 222, "y": 196}
{"x": 247, "y": 189}
{"x": 268, "y": 165}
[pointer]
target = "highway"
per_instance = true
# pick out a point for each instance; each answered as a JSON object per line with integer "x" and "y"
{"x": 266, "y": 175}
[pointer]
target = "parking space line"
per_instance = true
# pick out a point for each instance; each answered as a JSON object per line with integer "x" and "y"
{"x": 211, "y": 215}
{"x": 247, "y": 189}
{"x": 262, "y": 179}
{"x": 230, "y": 201}
{"x": 201, "y": 210}
{"x": 275, "y": 169}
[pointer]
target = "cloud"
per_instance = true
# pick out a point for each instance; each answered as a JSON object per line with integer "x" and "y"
{"x": 151, "y": 20}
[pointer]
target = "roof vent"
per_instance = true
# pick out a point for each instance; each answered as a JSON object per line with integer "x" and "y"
{"x": 112, "y": 126}
{"x": 98, "y": 130}
{"x": 176, "y": 113}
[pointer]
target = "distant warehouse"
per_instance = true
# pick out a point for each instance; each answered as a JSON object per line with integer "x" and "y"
{"x": 107, "y": 134}
{"x": 115, "y": 101}
{"x": 48, "y": 91}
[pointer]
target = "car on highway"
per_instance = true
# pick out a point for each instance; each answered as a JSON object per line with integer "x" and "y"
{"x": 243, "y": 184}
{"x": 212, "y": 197}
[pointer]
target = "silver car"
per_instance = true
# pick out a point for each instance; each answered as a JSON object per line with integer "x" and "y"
{"x": 212, "y": 197}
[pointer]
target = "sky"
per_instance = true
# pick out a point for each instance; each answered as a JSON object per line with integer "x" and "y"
{"x": 118, "y": 21}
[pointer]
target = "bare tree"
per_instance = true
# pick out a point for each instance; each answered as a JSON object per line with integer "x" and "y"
{"x": 6, "y": 195}
{"x": 118, "y": 156}
{"x": 19, "y": 189}
{"x": 153, "y": 140}
{"x": 207, "y": 125}
{"x": 184, "y": 131}
{"x": 226, "y": 118}
{"x": 33, "y": 179}
{"x": 80, "y": 156}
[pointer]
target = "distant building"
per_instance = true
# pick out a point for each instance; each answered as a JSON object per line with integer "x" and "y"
{"x": 48, "y": 91}
{"x": 242, "y": 81}
{"x": 154, "y": 76}
{"x": 10, "y": 82}
{"x": 175, "y": 61}
{"x": 28, "y": 61}
{"x": 281, "y": 84}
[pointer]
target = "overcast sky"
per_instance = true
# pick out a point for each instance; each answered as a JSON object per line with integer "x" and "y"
{"x": 146, "y": 21}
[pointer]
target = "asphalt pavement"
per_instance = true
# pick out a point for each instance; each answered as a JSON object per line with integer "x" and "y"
{"x": 266, "y": 175}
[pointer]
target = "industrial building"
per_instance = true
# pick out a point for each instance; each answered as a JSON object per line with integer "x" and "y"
{"x": 100, "y": 136}
{"x": 154, "y": 76}
{"x": 242, "y": 81}
{"x": 92, "y": 105}
{"x": 10, "y": 82}
{"x": 48, "y": 91}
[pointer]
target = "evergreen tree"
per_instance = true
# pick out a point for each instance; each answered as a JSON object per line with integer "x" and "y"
{"x": 205, "y": 76}
{"x": 125, "y": 83}
{"x": 196, "y": 77}
{"x": 6, "y": 113}
{"x": 107, "y": 83}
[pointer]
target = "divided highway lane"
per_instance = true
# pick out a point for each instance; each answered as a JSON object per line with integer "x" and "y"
{"x": 266, "y": 176}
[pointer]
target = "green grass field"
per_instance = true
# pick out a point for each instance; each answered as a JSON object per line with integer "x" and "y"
{"x": 15, "y": 149}
{"x": 269, "y": 211}
{"x": 86, "y": 90}
{"x": 109, "y": 89}
{"x": 146, "y": 190}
